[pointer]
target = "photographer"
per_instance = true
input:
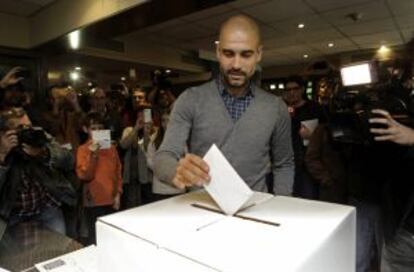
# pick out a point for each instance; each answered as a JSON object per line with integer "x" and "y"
{"x": 35, "y": 174}
{"x": 398, "y": 254}
{"x": 63, "y": 120}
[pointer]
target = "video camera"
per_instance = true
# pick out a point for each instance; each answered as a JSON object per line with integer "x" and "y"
{"x": 366, "y": 87}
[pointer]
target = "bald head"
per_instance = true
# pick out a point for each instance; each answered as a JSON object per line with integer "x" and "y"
{"x": 240, "y": 25}
{"x": 238, "y": 51}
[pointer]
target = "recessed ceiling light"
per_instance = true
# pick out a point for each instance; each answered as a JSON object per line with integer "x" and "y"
{"x": 168, "y": 71}
{"x": 74, "y": 76}
{"x": 78, "y": 68}
{"x": 301, "y": 25}
{"x": 123, "y": 78}
{"x": 216, "y": 42}
{"x": 306, "y": 56}
{"x": 383, "y": 49}
{"x": 330, "y": 44}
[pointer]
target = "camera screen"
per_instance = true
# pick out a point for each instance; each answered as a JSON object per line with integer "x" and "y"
{"x": 357, "y": 74}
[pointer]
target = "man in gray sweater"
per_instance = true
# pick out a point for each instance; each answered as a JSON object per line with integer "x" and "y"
{"x": 250, "y": 126}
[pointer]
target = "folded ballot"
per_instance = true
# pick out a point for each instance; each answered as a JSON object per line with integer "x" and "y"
{"x": 226, "y": 187}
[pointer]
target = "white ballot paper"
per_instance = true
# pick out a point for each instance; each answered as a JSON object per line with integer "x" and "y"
{"x": 226, "y": 187}
{"x": 311, "y": 126}
{"x": 82, "y": 260}
{"x": 103, "y": 137}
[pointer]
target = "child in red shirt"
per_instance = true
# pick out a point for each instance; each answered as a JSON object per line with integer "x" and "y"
{"x": 100, "y": 169}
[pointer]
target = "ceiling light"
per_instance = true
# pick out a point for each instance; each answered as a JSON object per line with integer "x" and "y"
{"x": 272, "y": 86}
{"x": 330, "y": 44}
{"x": 123, "y": 78}
{"x": 301, "y": 25}
{"x": 74, "y": 76}
{"x": 90, "y": 84}
{"x": 168, "y": 71}
{"x": 78, "y": 68}
{"x": 74, "y": 39}
{"x": 306, "y": 56}
{"x": 383, "y": 49}
{"x": 281, "y": 86}
{"x": 216, "y": 42}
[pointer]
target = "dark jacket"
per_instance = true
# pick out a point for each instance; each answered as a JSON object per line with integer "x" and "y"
{"x": 55, "y": 173}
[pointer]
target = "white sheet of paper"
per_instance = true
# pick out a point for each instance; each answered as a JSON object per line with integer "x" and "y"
{"x": 3, "y": 270}
{"x": 103, "y": 137}
{"x": 311, "y": 125}
{"x": 226, "y": 187}
{"x": 82, "y": 260}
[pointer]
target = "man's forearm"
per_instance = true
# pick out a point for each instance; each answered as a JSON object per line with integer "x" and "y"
{"x": 165, "y": 165}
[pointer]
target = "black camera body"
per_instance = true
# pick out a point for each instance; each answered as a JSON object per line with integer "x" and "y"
{"x": 352, "y": 106}
{"x": 32, "y": 136}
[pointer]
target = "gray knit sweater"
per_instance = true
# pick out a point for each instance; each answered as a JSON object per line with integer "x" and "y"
{"x": 259, "y": 142}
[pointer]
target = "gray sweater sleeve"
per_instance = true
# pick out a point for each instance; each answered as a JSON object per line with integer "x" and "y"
{"x": 282, "y": 154}
{"x": 175, "y": 138}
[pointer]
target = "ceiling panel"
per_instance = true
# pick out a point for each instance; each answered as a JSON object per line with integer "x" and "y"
{"x": 401, "y": 7}
{"x": 408, "y": 34}
{"x": 269, "y": 32}
{"x": 378, "y": 39}
{"x": 206, "y": 43}
{"x": 325, "y": 5}
{"x": 371, "y": 11}
{"x": 185, "y": 32}
{"x": 278, "y": 42}
{"x": 365, "y": 28}
{"x": 340, "y": 45}
{"x": 214, "y": 22}
{"x": 39, "y": 2}
{"x": 405, "y": 21}
{"x": 18, "y": 8}
{"x": 245, "y": 3}
{"x": 312, "y": 22}
{"x": 277, "y": 10}
{"x": 207, "y": 13}
{"x": 294, "y": 50}
{"x": 322, "y": 36}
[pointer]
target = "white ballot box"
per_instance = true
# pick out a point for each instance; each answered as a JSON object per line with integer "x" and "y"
{"x": 189, "y": 233}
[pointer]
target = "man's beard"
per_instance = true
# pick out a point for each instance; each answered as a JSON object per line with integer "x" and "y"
{"x": 241, "y": 79}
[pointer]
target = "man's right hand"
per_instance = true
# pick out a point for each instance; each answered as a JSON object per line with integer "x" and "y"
{"x": 8, "y": 141}
{"x": 191, "y": 170}
{"x": 10, "y": 78}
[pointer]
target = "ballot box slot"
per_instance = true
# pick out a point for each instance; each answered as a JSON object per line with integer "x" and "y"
{"x": 260, "y": 221}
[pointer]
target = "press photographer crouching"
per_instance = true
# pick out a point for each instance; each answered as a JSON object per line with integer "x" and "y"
{"x": 35, "y": 174}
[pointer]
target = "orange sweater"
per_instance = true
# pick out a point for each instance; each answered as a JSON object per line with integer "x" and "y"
{"x": 102, "y": 174}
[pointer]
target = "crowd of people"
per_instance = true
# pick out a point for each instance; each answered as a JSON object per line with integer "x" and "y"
{"x": 54, "y": 172}
{"x": 59, "y": 175}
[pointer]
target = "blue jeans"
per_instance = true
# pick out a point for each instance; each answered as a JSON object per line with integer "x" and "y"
{"x": 50, "y": 217}
{"x": 369, "y": 233}
{"x": 398, "y": 255}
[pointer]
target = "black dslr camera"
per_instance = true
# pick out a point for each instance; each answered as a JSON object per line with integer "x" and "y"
{"x": 364, "y": 89}
{"x": 33, "y": 136}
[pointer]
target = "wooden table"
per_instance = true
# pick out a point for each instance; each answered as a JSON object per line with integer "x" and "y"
{"x": 25, "y": 245}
